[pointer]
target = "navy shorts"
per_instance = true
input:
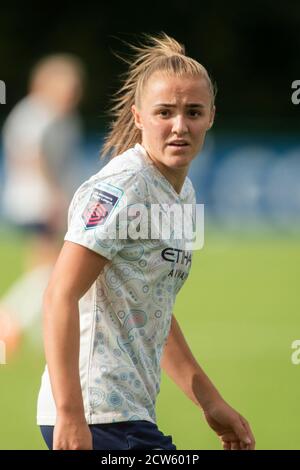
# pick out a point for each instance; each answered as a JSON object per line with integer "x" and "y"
{"x": 126, "y": 435}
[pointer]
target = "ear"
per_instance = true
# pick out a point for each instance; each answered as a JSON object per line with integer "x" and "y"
{"x": 137, "y": 117}
{"x": 211, "y": 118}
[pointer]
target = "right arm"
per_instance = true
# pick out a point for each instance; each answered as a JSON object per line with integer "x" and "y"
{"x": 75, "y": 271}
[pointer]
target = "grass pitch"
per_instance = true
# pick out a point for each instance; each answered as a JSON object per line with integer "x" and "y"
{"x": 239, "y": 311}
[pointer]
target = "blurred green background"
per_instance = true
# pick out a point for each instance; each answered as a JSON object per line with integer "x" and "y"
{"x": 239, "y": 311}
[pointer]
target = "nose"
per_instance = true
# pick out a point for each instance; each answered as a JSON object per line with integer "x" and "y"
{"x": 179, "y": 125}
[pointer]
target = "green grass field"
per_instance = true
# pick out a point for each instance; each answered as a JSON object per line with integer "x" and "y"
{"x": 239, "y": 311}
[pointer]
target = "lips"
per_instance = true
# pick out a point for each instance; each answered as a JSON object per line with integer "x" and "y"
{"x": 178, "y": 143}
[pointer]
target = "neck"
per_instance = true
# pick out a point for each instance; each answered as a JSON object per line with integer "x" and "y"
{"x": 175, "y": 176}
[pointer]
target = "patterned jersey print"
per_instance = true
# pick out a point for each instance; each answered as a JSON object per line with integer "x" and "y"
{"x": 125, "y": 316}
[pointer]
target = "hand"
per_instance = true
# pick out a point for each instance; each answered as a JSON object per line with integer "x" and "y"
{"x": 71, "y": 433}
{"x": 233, "y": 430}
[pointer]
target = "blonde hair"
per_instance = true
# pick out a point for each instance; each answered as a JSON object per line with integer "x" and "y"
{"x": 160, "y": 53}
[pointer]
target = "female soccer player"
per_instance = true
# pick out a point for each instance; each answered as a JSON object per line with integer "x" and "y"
{"x": 108, "y": 322}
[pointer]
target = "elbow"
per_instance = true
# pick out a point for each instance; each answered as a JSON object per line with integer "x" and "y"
{"x": 49, "y": 297}
{"x": 55, "y": 297}
{"x": 49, "y": 301}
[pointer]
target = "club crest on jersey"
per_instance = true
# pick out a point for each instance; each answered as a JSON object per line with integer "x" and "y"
{"x": 100, "y": 206}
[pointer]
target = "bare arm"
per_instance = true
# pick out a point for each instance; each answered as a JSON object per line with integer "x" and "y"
{"x": 182, "y": 367}
{"x": 76, "y": 269}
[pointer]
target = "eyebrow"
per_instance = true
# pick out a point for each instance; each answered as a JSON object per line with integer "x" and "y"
{"x": 188, "y": 105}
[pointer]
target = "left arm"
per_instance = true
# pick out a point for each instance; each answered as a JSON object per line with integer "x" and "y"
{"x": 181, "y": 366}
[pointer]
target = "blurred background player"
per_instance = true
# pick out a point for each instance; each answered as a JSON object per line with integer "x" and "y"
{"x": 41, "y": 137}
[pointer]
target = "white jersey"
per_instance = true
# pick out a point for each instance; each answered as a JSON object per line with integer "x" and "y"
{"x": 125, "y": 316}
{"x": 36, "y": 141}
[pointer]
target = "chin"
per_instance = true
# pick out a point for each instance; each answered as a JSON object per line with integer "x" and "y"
{"x": 184, "y": 152}
{"x": 178, "y": 161}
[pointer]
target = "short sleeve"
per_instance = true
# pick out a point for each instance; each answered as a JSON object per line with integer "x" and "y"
{"x": 97, "y": 214}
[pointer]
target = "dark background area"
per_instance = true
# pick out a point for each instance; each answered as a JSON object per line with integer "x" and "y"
{"x": 251, "y": 49}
